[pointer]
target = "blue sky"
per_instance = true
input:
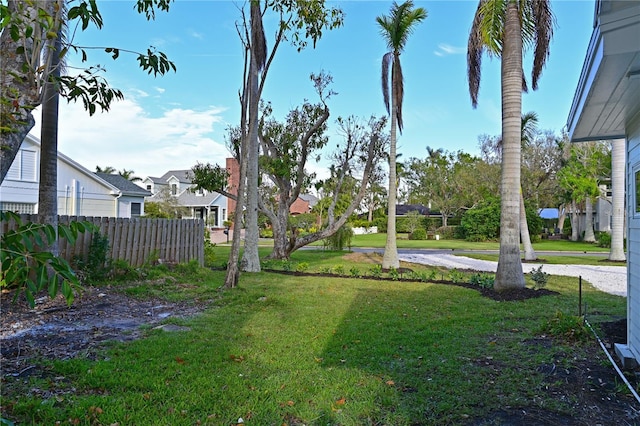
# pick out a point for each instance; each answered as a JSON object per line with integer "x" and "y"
{"x": 174, "y": 121}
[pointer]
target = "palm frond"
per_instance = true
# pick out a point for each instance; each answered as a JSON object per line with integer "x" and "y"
{"x": 398, "y": 89}
{"x": 493, "y": 15}
{"x": 544, "y": 23}
{"x": 475, "y": 49}
{"x": 386, "y": 61}
{"x": 258, "y": 39}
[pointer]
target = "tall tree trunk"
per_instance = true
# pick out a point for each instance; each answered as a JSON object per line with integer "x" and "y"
{"x": 233, "y": 268}
{"x": 562, "y": 214}
{"x": 575, "y": 222}
{"x": 48, "y": 186}
{"x": 390, "y": 258}
{"x": 250, "y": 257}
{"x": 529, "y": 252}
{"x": 589, "y": 236}
{"x": 18, "y": 91}
{"x": 509, "y": 274}
{"x": 618, "y": 156}
{"x": 281, "y": 245}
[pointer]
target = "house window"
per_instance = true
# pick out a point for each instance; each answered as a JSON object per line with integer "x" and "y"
{"x": 149, "y": 188}
{"x": 136, "y": 209}
{"x": 23, "y": 167}
{"x": 174, "y": 189}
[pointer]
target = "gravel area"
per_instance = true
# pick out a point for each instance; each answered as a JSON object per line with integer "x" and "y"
{"x": 610, "y": 279}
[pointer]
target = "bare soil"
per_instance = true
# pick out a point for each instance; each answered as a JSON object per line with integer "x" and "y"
{"x": 52, "y": 330}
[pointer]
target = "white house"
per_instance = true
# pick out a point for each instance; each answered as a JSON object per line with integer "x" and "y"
{"x": 210, "y": 206}
{"x": 606, "y": 106}
{"x": 80, "y": 191}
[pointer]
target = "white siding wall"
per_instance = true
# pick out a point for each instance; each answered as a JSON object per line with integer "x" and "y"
{"x": 81, "y": 195}
{"x": 21, "y": 183}
{"x": 633, "y": 239}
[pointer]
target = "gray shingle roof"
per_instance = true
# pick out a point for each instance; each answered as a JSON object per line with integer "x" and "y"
{"x": 126, "y": 186}
{"x": 181, "y": 175}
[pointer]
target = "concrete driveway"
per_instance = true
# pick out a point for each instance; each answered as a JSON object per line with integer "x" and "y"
{"x": 610, "y": 279}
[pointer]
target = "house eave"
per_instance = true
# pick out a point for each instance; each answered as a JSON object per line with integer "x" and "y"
{"x": 609, "y": 84}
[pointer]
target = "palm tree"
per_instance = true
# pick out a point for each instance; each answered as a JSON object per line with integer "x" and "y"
{"x": 527, "y": 132}
{"x": 108, "y": 170}
{"x": 48, "y": 186}
{"x": 395, "y": 29}
{"x": 129, "y": 175}
{"x": 502, "y": 28}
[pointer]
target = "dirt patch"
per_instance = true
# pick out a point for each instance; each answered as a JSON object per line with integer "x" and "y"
{"x": 583, "y": 379}
{"x": 53, "y": 330}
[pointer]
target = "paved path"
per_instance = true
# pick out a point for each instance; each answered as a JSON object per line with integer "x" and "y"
{"x": 610, "y": 279}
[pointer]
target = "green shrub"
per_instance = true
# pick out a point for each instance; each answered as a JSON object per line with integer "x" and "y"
{"x": 326, "y": 270}
{"x": 569, "y": 328}
{"x": 339, "y": 270}
{"x": 381, "y": 223}
{"x": 209, "y": 253}
{"x": 355, "y": 272}
{"x": 447, "y": 232}
{"x": 394, "y": 274}
{"x": 604, "y": 239}
{"x": 482, "y": 222}
{"x": 266, "y": 233}
{"x": 482, "y": 280}
{"x": 376, "y": 271}
{"x": 418, "y": 234}
{"x": 302, "y": 267}
{"x": 539, "y": 277}
{"x": 28, "y": 267}
{"x": 340, "y": 239}
{"x": 456, "y": 276}
{"x": 96, "y": 266}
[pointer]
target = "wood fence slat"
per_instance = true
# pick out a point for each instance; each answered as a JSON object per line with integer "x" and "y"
{"x": 135, "y": 241}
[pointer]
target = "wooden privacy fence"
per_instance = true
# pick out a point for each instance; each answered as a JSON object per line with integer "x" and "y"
{"x": 137, "y": 240}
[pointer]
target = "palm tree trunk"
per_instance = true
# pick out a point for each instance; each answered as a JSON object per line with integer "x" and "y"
{"x": 529, "y": 252}
{"x": 589, "y": 236}
{"x": 509, "y": 273}
{"x": 618, "y": 147}
{"x": 390, "y": 257}
{"x": 48, "y": 186}
{"x": 562, "y": 215}
{"x": 575, "y": 223}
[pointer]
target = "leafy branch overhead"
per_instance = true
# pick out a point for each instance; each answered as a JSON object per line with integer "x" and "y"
{"x": 26, "y": 30}
{"x": 29, "y": 269}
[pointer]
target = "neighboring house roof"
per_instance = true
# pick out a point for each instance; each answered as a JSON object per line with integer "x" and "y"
{"x": 606, "y": 98}
{"x": 181, "y": 175}
{"x": 188, "y": 198}
{"x": 311, "y": 199}
{"x": 156, "y": 180}
{"x": 80, "y": 168}
{"x": 403, "y": 209}
{"x": 124, "y": 185}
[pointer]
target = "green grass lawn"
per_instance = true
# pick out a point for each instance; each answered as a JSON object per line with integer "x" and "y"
{"x": 378, "y": 240}
{"x": 284, "y": 349}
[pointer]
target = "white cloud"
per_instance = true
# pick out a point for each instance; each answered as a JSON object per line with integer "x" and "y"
{"x": 196, "y": 34}
{"x": 446, "y": 49}
{"x": 160, "y": 90}
{"x": 130, "y": 138}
